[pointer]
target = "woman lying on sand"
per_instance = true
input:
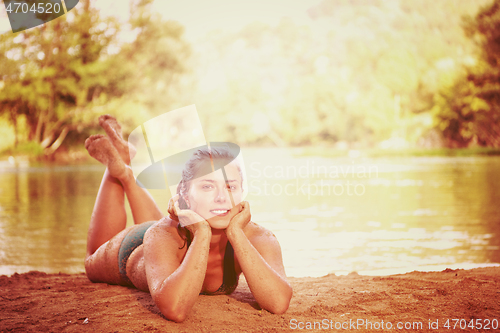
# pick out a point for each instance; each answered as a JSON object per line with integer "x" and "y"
{"x": 200, "y": 248}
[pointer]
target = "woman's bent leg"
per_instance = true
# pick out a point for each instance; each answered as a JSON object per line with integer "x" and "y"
{"x": 109, "y": 216}
{"x": 106, "y": 231}
{"x": 108, "y": 221}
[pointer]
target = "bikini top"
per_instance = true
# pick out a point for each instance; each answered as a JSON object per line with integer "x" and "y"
{"x": 229, "y": 277}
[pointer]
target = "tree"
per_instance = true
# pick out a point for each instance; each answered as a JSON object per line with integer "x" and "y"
{"x": 468, "y": 111}
{"x": 360, "y": 72}
{"x": 51, "y": 73}
{"x": 60, "y": 75}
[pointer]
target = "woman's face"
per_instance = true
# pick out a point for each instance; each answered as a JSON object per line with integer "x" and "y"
{"x": 211, "y": 197}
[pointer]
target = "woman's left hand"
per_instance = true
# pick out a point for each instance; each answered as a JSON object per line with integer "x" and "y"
{"x": 241, "y": 219}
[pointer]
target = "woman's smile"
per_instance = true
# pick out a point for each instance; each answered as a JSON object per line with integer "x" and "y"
{"x": 220, "y": 212}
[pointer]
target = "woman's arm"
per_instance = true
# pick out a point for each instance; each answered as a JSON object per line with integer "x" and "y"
{"x": 174, "y": 282}
{"x": 261, "y": 261}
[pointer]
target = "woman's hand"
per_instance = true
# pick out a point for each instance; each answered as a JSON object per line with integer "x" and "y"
{"x": 187, "y": 218}
{"x": 171, "y": 210}
{"x": 241, "y": 219}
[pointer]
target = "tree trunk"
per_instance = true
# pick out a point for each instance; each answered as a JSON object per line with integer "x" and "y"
{"x": 13, "y": 118}
{"x": 50, "y": 150}
{"x": 39, "y": 127}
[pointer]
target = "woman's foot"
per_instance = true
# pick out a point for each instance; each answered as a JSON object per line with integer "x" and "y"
{"x": 114, "y": 132}
{"x": 100, "y": 147}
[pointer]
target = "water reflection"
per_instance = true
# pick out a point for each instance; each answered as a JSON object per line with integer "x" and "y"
{"x": 412, "y": 213}
{"x": 418, "y": 213}
{"x": 44, "y": 216}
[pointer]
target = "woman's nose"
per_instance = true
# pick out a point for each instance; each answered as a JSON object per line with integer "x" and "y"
{"x": 221, "y": 195}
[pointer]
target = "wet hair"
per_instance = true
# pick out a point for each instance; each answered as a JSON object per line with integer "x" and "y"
{"x": 201, "y": 161}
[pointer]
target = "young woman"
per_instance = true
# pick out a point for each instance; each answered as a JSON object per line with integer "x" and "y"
{"x": 200, "y": 248}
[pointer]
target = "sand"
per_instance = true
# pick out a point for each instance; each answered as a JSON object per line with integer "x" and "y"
{"x": 40, "y": 302}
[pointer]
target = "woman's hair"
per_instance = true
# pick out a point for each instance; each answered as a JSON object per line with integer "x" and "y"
{"x": 201, "y": 158}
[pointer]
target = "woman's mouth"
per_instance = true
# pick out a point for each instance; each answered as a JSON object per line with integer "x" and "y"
{"x": 221, "y": 212}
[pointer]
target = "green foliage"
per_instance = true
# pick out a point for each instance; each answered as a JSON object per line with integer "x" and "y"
{"x": 461, "y": 116}
{"x": 468, "y": 110}
{"x": 62, "y": 75}
{"x": 8, "y": 134}
{"x": 28, "y": 148}
{"x": 49, "y": 73}
{"x": 360, "y": 73}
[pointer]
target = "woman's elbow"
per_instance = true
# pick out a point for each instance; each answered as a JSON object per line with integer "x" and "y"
{"x": 173, "y": 309}
{"x": 90, "y": 269}
{"x": 280, "y": 305}
{"x": 278, "y": 308}
{"x": 176, "y": 315}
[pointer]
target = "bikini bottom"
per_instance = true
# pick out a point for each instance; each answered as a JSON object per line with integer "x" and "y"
{"x": 132, "y": 240}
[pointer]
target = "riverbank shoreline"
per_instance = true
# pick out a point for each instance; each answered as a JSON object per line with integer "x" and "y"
{"x": 80, "y": 155}
{"x": 37, "y": 301}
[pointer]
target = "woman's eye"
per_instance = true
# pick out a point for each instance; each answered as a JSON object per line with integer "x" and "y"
{"x": 207, "y": 187}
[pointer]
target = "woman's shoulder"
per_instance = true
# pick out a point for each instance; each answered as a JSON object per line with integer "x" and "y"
{"x": 262, "y": 239}
{"x": 254, "y": 230}
{"x": 165, "y": 227}
{"x": 166, "y": 222}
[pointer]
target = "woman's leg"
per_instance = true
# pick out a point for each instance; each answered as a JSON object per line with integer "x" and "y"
{"x": 109, "y": 216}
{"x": 141, "y": 203}
{"x": 108, "y": 221}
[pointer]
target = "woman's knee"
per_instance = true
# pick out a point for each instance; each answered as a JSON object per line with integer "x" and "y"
{"x": 90, "y": 268}
{"x": 136, "y": 270}
{"x": 102, "y": 265}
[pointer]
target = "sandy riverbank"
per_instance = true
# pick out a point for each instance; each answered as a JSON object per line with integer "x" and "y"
{"x": 39, "y": 302}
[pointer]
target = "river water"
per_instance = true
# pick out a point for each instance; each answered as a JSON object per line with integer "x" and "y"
{"x": 331, "y": 215}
